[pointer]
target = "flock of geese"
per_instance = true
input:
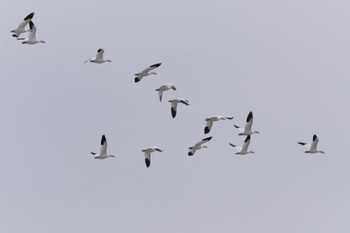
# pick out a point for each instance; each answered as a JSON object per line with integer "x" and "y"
{"x": 98, "y": 59}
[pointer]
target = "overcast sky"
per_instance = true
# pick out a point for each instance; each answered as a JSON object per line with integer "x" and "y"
{"x": 287, "y": 61}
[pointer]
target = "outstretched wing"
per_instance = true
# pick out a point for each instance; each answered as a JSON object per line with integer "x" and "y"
{"x": 314, "y": 143}
{"x": 99, "y": 55}
{"x": 147, "y": 158}
{"x": 238, "y": 148}
{"x": 173, "y": 108}
{"x": 249, "y": 123}
{"x": 32, "y": 32}
{"x": 204, "y": 140}
{"x": 103, "y": 149}
{"x": 246, "y": 143}
{"x": 208, "y": 126}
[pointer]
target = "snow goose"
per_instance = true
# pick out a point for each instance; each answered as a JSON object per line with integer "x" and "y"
{"x": 199, "y": 145}
{"x": 165, "y": 87}
{"x": 244, "y": 149}
{"x": 146, "y": 72}
{"x": 210, "y": 121}
{"x": 247, "y": 130}
{"x": 103, "y": 150}
{"x": 21, "y": 27}
{"x": 31, "y": 36}
{"x": 99, "y": 58}
{"x": 174, "y": 103}
{"x": 312, "y": 146}
{"x": 148, "y": 152}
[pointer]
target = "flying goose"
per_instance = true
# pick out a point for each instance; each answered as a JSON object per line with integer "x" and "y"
{"x": 247, "y": 130}
{"x": 99, "y": 58}
{"x": 210, "y": 121}
{"x": 165, "y": 87}
{"x": 199, "y": 145}
{"x": 148, "y": 152}
{"x": 21, "y": 27}
{"x": 146, "y": 72}
{"x": 31, "y": 36}
{"x": 244, "y": 149}
{"x": 103, "y": 150}
{"x": 312, "y": 146}
{"x": 174, "y": 103}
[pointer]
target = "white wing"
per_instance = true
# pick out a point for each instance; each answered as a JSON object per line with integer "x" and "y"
{"x": 305, "y": 144}
{"x": 103, "y": 149}
{"x": 173, "y": 108}
{"x": 152, "y": 67}
{"x": 99, "y": 55}
{"x": 204, "y": 140}
{"x": 249, "y": 123}
{"x": 239, "y": 128}
{"x": 246, "y": 143}
{"x": 32, "y": 32}
{"x": 314, "y": 143}
{"x": 238, "y": 148}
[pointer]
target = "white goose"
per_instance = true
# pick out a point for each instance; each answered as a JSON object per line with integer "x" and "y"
{"x": 247, "y": 130}
{"x": 148, "y": 152}
{"x": 199, "y": 145}
{"x": 99, "y": 58}
{"x": 244, "y": 149}
{"x": 210, "y": 121}
{"x": 21, "y": 27}
{"x": 103, "y": 150}
{"x": 165, "y": 87}
{"x": 312, "y": 146}
{"x": 146, "y": 72}
{"x": 174, "y": 103}
{"x": 31, "y": 36}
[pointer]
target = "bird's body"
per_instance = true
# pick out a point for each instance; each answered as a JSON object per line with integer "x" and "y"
{"x": 21, "y": 27}
{"x": 244, "y": 149}
{"x": 210, "y": 120}
{"x": 199, "y": 145}
{"x": 31, "y": 39}
{"x": 174, "y": 103}
{"x": 99, "y": 58}
{"x": 163, "y": 88}
{"x": 146, "y": 72}
{"x": 247, "y": 130}
{"x": 312, "y": 146}
{"x": 103, "y": 150}
{"x": 148, "y": 152}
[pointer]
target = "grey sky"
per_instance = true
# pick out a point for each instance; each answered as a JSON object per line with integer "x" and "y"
{"x": 287, "y": 61}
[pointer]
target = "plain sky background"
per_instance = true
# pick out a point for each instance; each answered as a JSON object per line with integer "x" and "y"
{"x": 287, "y": 61}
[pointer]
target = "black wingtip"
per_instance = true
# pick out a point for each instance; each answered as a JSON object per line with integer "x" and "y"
{"x": 137, "y": 80}
{"x": 314, "y": 137}
{"x": 206, "y": 130}
{"x": 99, "y": 50}
{"x": 103, "y": 139}
{"x": 250, "y": 116}
{"x": 156, "y": 65}
{"x": 247, "y": 138}
{"x": 190, "y": 153}
{"x": 30, "y": 16}
{"x": 207, "y": 139}
{"x": 148, "y": 162}
{"x": 31, "y": 24}
{"x": 173, "y": 112}
{"x": 301, "y": 143}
